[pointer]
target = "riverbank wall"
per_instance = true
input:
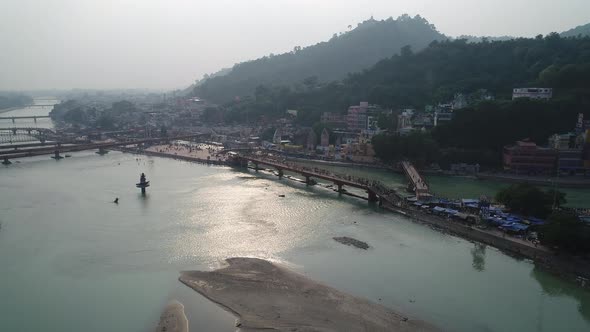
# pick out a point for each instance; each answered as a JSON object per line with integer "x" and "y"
{"x": 564, "y": 182}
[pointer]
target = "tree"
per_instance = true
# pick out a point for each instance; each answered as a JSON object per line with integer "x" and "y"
{"x": 105, "y": 122}
{"x": 418, "y": 147}
{"x": 529, "y": 200}
{"x": 567, "y": 232}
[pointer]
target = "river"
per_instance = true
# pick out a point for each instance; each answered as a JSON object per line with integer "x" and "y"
{"x": 31, "y": 111}
{"x": 73, "y": 261}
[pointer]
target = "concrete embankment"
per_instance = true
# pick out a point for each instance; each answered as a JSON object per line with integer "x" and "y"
{"x": 267, "y": 296}
{"x": 564, "y": 182}
{"x": 173, "y": 156}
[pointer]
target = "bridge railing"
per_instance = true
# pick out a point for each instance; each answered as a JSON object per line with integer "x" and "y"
{"x": 368, "y": 183}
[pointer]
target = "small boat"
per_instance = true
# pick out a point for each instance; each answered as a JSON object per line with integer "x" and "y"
{"x": 68, "y": 155}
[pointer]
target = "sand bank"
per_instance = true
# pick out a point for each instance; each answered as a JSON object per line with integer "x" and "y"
{"x": 352, "y": 242}
{"x": 264, "y": 295}
{"x": 173, "y": 319}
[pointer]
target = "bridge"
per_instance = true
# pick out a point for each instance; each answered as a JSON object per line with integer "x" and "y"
{"x": 57, "y": 149}
{"x": 14, "y": 118}
{"x": 24, "y": 134}
{"x": 376, "y": 191}
{"x": 417, "y": 182}
{"x": 40, "y": 105}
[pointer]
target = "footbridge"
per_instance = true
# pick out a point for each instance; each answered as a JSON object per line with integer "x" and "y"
{"x": 376, "y": 191}
{"x": 417, "y": 182}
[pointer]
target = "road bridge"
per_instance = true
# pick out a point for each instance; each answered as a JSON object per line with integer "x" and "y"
{"x": 376, "y": 191}
{"x": 57, "y": 150}
{"x": 417, "y": 182}
{"x": 14, "y": 118}
{"x": 9, "y": 135}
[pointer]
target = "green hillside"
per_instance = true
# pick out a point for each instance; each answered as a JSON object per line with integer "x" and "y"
{"x": 353, "y": 51}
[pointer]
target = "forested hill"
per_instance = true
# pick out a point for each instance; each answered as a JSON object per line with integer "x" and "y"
{"x": 582, "y": 30}
{"x": 445, "y": 68}
{"x": 353, "y": 51}
{"x": 433, "y": 75}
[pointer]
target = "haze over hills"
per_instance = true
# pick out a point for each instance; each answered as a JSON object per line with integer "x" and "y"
{"x": 583, "y": 30}
{"x": 350, "y": 52}
{"x": 344, "y": 53}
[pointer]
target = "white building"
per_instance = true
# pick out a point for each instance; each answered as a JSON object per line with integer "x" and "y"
{"x": 532, "y": 93}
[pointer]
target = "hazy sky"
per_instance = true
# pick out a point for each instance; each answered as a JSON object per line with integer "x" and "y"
{"x": 170, "y": 43}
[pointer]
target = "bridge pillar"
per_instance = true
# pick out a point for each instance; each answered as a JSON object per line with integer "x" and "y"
{"x": 372, "y": 196}
{"x": 339, "y": 187}
{"x": 35, "y": 119}
{"x": 256, "y": 167}
{"x": 56, "y": 155}
{"x": 102, "y": 151}
{"x": 6, "y": 161}
{"x": 281, "y": 174}
{"x": 308, "y": 180}
{"x": 13, "y": 120}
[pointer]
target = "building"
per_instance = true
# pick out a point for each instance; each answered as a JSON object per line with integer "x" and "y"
{"x": 278, "y": 136}
{"x": 459, "y": 102}
{"x": 525, "y": 157}
{"x": 358, "y": 117}
{"x": 532, "y": 93}
{"x": 334, "y": 120}
{"x": 442, "y": 116}
{"x": 325, "y": 138}
{"x": 570, "y": 161}
{"x": 311, "y": 140}
{"x": 563, "y": 141}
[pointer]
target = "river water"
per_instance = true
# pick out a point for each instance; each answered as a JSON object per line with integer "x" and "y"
{"x": 31, "y": 111}
{"x": 73, "y": 261}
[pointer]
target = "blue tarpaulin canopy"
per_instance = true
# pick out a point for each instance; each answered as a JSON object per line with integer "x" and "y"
{"x": 470, "y": 201}
{"x": 515, "y": 227}
{"x": 535, "y": 221}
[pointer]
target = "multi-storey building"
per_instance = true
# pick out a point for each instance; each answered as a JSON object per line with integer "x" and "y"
{"x": 525, "y": 157}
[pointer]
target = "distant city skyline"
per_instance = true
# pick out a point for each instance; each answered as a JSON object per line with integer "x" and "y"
{"x": 156, "y": 44}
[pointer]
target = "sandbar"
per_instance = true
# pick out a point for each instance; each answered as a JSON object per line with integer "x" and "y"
{"x": 173, "y": 319}
{"x": 267, "y": 296}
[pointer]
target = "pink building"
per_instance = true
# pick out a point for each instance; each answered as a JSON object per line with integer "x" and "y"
{"x": 357, "y": 116}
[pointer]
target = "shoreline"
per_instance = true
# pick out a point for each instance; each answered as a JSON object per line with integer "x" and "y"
{"x": 264, "y": 295}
